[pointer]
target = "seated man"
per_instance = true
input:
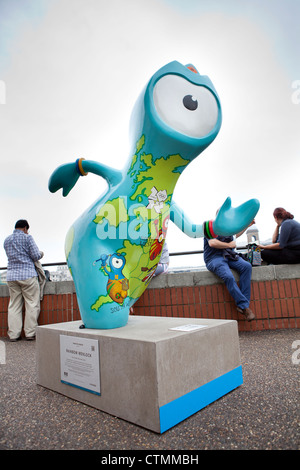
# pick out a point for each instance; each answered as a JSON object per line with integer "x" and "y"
{"x": 220, "y": 257}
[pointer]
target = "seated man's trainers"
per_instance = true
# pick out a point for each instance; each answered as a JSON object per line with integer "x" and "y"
{"x": 247, "y": 312}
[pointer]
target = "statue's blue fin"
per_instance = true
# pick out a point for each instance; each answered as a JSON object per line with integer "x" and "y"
{"x": 232, "y": 220}
{"x": 229, "y": 220}
{"x": 66, "y": 176}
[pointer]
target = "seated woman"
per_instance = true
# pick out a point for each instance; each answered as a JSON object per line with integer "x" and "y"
{"x": 285, "y": 246}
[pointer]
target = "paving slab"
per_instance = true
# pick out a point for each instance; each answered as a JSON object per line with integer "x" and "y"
{"x": 262, "y": 414}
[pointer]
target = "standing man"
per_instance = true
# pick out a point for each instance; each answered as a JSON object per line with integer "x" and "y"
{"x": 22, "y": 281}
{"x": 220, "y": 257}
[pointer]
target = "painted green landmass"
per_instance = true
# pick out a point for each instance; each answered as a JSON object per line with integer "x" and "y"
{"x": 146, "y": 173}
{"x": 139, "y": 145}
{"x": 103, "y": 299}
{"x": 113, "y": 211}
{"x": 158, "y": 171}
{"x": 139, "y": 257}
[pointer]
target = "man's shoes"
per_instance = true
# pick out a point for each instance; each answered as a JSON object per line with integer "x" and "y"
{"x": 247, "y": 312}
{"x": 14, "y": 340}
{"x": 30, "y": 338}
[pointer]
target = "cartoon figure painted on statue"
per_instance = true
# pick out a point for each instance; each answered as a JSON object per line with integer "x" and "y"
{"x": 114, "y": 247}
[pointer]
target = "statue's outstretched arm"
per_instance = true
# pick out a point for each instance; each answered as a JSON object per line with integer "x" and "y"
{"x": 229, "y": 220}
{"x": 66, "y": 175}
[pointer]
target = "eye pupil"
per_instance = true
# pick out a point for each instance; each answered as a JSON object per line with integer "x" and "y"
{"x": 190, "y": 102}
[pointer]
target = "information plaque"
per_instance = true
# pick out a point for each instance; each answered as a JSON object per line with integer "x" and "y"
{"x": 79, "y": 363}
{"x": 188, "y": 327}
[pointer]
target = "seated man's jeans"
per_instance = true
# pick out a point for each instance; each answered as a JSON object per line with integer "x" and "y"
{"x": 221, "y": 267}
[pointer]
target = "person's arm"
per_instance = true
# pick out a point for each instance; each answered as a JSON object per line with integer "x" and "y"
{"x": 215, "y": 243}
{"x": 282, "y": 241}
{"x": 285, "y": 233}
{"x": 272, "y": 246}
{"x": 34, "y": 252}
{"x": 241, "y": 233}
{"x": 275, "y": 234}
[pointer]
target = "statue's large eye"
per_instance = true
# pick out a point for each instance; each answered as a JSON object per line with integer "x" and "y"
{"x": 117, "y": 262}
{"x": 187, "y": 108}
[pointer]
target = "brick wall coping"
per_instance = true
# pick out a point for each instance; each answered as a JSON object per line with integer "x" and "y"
{"x": 204, "y": 277}
{"x": 186, "y": 278}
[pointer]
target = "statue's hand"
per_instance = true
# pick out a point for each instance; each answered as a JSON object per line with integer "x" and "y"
{"x": 103, "y": 259}
{"x": 232, "y": 220}
{"x": 65, "y": 177}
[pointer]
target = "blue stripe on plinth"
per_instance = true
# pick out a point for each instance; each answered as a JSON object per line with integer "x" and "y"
{"x": 177, "y": 410}
{"x": 81, "y": 388}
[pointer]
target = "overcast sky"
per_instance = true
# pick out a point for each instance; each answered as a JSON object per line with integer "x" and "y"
{"x": 71, "y": 70}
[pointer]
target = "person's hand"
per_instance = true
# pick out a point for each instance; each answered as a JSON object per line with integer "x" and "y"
{"x": 232, "y": 244}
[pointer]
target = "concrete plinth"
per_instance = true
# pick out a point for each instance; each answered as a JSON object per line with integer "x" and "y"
{"x": 149, "y": 374}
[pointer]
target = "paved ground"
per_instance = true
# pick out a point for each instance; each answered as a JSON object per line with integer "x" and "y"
{"x": 261, "y": 414}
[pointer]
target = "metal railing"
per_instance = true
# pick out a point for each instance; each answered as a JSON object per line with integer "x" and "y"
{"x": 179, "y": 253}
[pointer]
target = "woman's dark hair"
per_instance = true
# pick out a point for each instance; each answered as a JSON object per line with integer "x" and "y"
{"x": 281, "y": 213}
{"x": 22, "y": 224}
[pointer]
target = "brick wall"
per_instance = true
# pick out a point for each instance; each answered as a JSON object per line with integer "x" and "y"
{"x": 59, "y": 304}
{"x": 275, "y": 304}
{"x": 275, "y": 293}
{"x": 199, "y": 294}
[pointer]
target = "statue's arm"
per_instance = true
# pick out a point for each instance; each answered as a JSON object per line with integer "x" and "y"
{"x": 229, "y": 220}
{"x": 66, "y": 175}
